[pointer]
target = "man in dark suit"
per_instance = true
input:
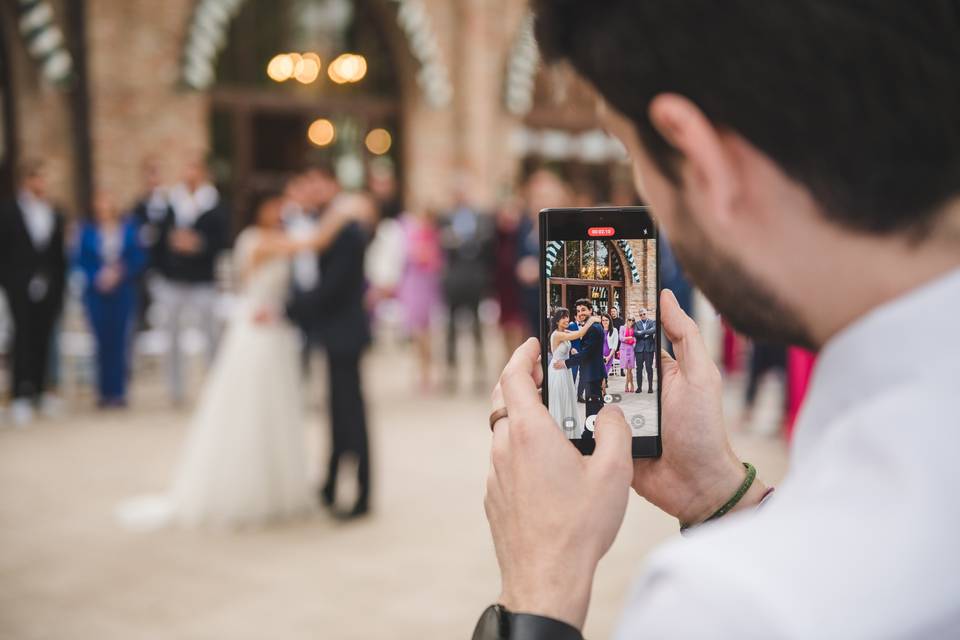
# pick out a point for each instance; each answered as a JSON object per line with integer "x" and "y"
{"x": 590, "y": 361}
{"x": 334, "y": 311}
{"x": 32, "y": 272}
{"x": 645, "y": 330}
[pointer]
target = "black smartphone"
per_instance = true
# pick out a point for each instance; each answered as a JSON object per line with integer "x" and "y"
{"x": 599, "y": 322}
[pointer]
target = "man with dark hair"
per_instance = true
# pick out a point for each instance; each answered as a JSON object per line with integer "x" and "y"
{"x": 33, "y": 270}
{"x": 804, "y": 158}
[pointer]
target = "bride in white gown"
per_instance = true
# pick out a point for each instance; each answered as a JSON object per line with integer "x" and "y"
{"x": 561, "y": 391}
{"x": 243, "y": 462}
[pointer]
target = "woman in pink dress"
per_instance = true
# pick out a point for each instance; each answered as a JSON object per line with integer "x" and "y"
{"x": 419, "y": 290}
{"x": 628, "y": 359}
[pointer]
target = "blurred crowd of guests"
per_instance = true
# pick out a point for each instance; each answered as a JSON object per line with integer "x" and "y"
{"x": 154, "y": 264}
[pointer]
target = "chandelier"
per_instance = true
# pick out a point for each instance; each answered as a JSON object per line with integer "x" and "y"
{"x": 592, "y": 271}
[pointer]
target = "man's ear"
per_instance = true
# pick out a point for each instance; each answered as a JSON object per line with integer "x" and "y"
{"x": 707, "y": 165}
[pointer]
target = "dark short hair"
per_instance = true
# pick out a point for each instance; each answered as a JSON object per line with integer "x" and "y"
{"x": 558, "y": 314}
{"x": 30, "y": 168}
{"x": 857, "y": 100}
{"x": 584, "y": 302}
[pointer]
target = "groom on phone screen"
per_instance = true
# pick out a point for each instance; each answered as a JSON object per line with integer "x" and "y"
{"x": 590, "y": 361}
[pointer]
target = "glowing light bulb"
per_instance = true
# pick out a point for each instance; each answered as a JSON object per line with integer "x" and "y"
{"x": 280, "y": 67}
{"x": 378, "y": 141}
{"x": 321, "y": 132}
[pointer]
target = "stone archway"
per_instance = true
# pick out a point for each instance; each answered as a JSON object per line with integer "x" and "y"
{"x": 207, "y": 34}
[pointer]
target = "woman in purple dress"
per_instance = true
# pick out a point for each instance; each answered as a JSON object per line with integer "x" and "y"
{"x": 419, "y": 289}
{"x": 628, "y": 359}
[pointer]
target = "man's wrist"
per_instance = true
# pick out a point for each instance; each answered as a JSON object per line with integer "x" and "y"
{"x": 561, "y": 600}
{"x": 719, "y": 490}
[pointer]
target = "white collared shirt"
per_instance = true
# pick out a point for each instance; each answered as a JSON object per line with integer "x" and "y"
{"x": 189, "y": 205}
{"x": 38, "y": 217}
{"x": 301, "y": 225}
{"x": 862, "y": 539}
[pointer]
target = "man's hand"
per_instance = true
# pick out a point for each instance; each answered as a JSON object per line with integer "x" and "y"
{"x": 553, "y": 513}
{"x": 108, "y": 278}
{"x": 698, "y": 471}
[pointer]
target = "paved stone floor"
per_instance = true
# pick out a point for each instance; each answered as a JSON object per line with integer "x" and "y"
{"x": 422, "y": 566}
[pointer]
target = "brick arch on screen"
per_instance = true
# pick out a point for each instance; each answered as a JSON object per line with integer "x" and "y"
{"x": 210, "y": 22}
{"x": 555, "y": 249}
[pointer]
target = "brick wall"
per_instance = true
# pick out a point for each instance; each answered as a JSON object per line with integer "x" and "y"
{"x": 42, "y": 113}
{"x": 137, "y": 107}
{"x": 644, "y": 293}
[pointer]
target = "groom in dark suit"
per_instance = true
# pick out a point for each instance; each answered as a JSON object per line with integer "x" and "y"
{"x": 335, "y": 315}
{"x": 590, "y": 360}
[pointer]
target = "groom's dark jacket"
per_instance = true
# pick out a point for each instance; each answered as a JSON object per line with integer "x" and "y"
{"x": 590, "y": 356}
{"x": 333, "y": 312}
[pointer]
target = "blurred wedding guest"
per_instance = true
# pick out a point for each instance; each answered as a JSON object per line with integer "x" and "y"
{"x": 108, "y": 253}
{"x": 382, "y": 184}
{"x": 628, "y": 360}
{"x": 335, "y": 312}
{"x": 419, "y": 289}
{"x": 244, "y": 459}
{"x": 33, "y": 269}
{"x": 152, "y": 214}
{"x": 467, "y": 239}
{"x": 543, "y": 189}
{"x": 505, "y": 283}
{"x": 196, "y": 234}
{"x": 645, "y": 349}
{"x": 611, "y": 342}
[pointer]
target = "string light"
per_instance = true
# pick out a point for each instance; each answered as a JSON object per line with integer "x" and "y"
{"x": 280, "y": 67}
{"x": 310, "y": 68}
{"x": 321, "y": 132}
{"x": 378, "y": 141}
{"x": 347, "y": 67}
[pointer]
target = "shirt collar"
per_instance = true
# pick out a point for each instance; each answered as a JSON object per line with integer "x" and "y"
{"x": 898, "y": 341}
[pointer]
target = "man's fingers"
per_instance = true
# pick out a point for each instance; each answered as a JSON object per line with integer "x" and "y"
{"x": 682, "y": 331}
{"x": 517, "y": 382}
{"x": 612, "y": 454}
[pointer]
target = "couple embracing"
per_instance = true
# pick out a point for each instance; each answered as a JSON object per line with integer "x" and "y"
{"x": 589, "y": 360}
{"x": 244, "y": 461}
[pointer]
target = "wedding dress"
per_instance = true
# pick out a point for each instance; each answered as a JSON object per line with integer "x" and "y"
{"x": 243, "y": 462}
{"x": 561, "y": 392}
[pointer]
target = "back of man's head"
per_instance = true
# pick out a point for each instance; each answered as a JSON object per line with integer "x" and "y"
{"x": 859, "y": 101}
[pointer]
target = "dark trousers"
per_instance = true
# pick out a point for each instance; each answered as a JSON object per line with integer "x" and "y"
{"x": 594, "y": 394}
{"x": 645, "y": 361}
{"x": 472, "y": 307}
{"x": 348, "y": 422}
{"x": 32, "y": 328}
{"x": 112, "y": 317}
{"x": 765, "y": 357}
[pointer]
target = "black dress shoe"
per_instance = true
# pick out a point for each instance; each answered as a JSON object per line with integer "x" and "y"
{"x": 359, "y": 510}
{"x": 326, "y": 496}
{"x": 649, "y": 390}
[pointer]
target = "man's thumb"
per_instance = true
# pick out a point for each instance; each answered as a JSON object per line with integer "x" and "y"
{"x": 613, "y": 451}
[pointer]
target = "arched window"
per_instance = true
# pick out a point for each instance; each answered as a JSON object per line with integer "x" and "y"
{"x": 588, "y": 269}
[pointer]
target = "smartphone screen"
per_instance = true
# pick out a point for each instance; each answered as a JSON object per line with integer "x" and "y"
{"x": 600, "y": 330}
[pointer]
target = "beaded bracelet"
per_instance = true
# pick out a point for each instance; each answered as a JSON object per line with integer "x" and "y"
{"x": 732, "y": 502}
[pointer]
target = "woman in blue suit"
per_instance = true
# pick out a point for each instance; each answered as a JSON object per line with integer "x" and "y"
{"x": 110, "y": 257}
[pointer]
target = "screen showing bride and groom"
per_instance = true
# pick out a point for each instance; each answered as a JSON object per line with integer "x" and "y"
{"x": 601, "y": 333}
